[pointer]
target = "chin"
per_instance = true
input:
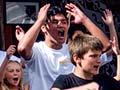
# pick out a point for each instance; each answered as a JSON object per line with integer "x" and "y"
{"x": 96, "y": 72}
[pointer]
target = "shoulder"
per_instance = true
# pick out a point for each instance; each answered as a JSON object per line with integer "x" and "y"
{"x": 38, "y": 46}
{"x": 65, "y": 78}
{"x": 61, "y": 81}
{"x": 62, "y": 77}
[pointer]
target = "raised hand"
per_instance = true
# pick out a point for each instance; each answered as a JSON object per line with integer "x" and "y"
{"x": 19, "y": 33}
{"x": 42, "y": 15}
{"x": 78, "y": 15}
{"x": 11, "y": 50}
{"x": 108, "y": 17}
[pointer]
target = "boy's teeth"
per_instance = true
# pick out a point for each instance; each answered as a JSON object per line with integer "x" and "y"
{"x": 61, "y": 32}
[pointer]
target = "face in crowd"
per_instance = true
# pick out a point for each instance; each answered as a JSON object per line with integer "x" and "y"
{"x": 85, "y": 52}
{"x": 13, "y": 74}
{"x": 91, "y": 62}
{"x": 56, "y": 26}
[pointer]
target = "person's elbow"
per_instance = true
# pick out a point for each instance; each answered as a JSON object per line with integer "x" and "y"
{"x": 25, "y": 52}
{"x": 106, "y": 46}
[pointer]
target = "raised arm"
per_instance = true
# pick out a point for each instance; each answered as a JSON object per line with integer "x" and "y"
{"x": 108, "y": 20}
{"x": 80, "y": 17}
{"x": 10, "y": 51}
{"x": 116, "y": 50}
{"x": 26, "y": 43}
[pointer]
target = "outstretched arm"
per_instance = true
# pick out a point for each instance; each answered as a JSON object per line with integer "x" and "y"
{"x": 116, "y": 50}
{"x": 80, "y": 17}
{"x": 108, "y": 20}
{"x": 10, "y": 51}
{"x": 25, "y": 45}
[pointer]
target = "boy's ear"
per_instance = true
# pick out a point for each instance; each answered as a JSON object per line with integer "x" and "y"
{"x": 44, "y": 27}
{"x": 76, "y": 58}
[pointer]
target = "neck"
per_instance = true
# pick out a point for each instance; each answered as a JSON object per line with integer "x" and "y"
{"x": 82, "y": 74}
{"x": 14, "y": 88}
{"x": 53, "y": 45}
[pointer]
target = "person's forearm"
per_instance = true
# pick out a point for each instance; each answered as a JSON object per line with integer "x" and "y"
{"x": 25, "y": 45}
{"x": 118, "y": 67}
{"x": 113, "y": 31}
{"x": 117, "y": 77}
{"x": 97, "y": 32}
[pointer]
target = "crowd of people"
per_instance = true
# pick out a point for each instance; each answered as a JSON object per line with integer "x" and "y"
{"x": 58, "y": 62}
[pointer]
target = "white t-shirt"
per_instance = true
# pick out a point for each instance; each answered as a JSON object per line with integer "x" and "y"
{"x": 46, "y": 65}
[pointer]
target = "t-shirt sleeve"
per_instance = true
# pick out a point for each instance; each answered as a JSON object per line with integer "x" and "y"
{"x": 59, "y": 82}
{"x": 34, "y": 53}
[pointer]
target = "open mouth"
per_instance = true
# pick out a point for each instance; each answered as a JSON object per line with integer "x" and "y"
{"x": 15, "y": 79}
{"x": 96, "y": 66}
{"x": 61, "y": 33}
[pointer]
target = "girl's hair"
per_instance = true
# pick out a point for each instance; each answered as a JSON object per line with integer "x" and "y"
{"x": 5, "y": 83}
{"x": 82, "y": 43}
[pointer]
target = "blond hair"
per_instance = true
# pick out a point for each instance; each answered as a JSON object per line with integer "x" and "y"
{"x": 5, "y": 84}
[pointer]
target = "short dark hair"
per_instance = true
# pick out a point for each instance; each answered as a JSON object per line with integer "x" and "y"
{"x": 82, "y": 43}
{"x": 56, "y": 10}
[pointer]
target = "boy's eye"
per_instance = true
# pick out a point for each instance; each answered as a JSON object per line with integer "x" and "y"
{"x": 55, "y": 22}
{"x": 94, "y": 56}
{"x": 61, "y": 21}
{"x": 64, "y": 22}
